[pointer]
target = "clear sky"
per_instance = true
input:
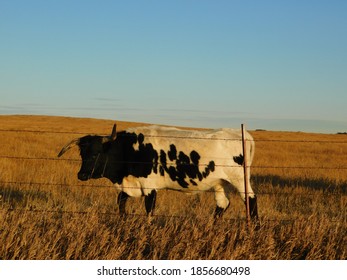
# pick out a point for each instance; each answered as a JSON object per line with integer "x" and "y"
{"x": 276, "y": 65}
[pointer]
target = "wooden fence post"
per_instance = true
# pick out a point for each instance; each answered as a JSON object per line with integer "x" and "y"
{"x": 245, "y": 174}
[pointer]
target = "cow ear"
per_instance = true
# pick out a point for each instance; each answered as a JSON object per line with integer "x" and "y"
{"x": 114, "y": 132}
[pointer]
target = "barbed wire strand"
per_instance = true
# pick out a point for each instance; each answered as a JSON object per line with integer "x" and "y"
{"x": 325, "y": 192}
{"x": 173, "y": 164}
{"x": 262, "y": 221}
{"x": 177, "y": 137}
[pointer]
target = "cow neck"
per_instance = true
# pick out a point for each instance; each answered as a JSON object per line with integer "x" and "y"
{"x": 115, "y": 163}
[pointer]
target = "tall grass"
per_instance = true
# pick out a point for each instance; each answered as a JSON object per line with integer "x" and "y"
{"x": 46, "y": 213}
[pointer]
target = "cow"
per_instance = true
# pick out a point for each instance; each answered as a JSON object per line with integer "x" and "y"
{"x": 141, "y": 160}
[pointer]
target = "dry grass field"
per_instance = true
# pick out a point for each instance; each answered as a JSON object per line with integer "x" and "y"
{"x": 46, "y": 213}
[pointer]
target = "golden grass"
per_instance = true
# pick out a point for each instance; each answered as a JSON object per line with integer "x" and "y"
{"x": 46, "y": 213}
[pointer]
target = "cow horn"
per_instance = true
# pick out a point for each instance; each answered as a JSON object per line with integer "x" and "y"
{"x": 69, "y": 146}
{"x": 114, "y": 132}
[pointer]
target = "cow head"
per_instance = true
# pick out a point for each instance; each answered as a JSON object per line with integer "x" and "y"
{"x": 101, "y": 156}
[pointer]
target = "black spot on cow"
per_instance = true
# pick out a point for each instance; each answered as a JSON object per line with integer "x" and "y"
{"x": 239, "y": 159}
{"x": 140, "y": 138}
{"x": 195, "y": 157}
{"x": 172, "y": 153}
{"x": 210, "y": 168}
{"x": 183, "y": 168}
{"x": 142, "y": 161}
{"x": 162, "y": 159}
{"x": 193, "y": 182}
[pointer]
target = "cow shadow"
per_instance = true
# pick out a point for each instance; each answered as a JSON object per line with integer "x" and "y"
{"x": 13, "y": 198}
{"x": 319, "y": 184}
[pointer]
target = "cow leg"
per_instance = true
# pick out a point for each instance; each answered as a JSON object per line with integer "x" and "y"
{"x": 253, "y": 208}
{"x": 150, "y": 200}
{"x": 221, "y": 200}
{"x": 122, "y": 199}
{"x": 252, "y": 199}
{"x": 218, "y": 212}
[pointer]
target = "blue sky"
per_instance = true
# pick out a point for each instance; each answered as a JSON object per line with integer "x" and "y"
{"x": 276, "y": 65}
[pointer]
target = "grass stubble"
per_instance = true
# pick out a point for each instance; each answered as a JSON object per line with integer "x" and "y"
{"x": 46, "y": 213}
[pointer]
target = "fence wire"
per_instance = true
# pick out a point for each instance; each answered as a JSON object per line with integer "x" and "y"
{"x": 175, "y": 137}
{"x": 172, "y": 164}
{"x": 97, "y": 186}
{"x": 261, "y": 221}
{"x": 327, "y": 192}
{"x": 156, "y": 216}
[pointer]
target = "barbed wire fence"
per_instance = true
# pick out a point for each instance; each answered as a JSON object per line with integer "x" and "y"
{"x": 98, "y": 186}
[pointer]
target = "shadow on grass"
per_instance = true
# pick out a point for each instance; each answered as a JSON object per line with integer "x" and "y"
{"x": 14, "y": 196}
{"x": 320, "y": 184}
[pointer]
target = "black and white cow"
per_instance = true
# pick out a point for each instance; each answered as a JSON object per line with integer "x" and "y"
{"x": 142, "y": 160}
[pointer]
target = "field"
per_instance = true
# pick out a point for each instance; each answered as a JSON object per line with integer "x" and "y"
{"x": 46, "y": 213}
